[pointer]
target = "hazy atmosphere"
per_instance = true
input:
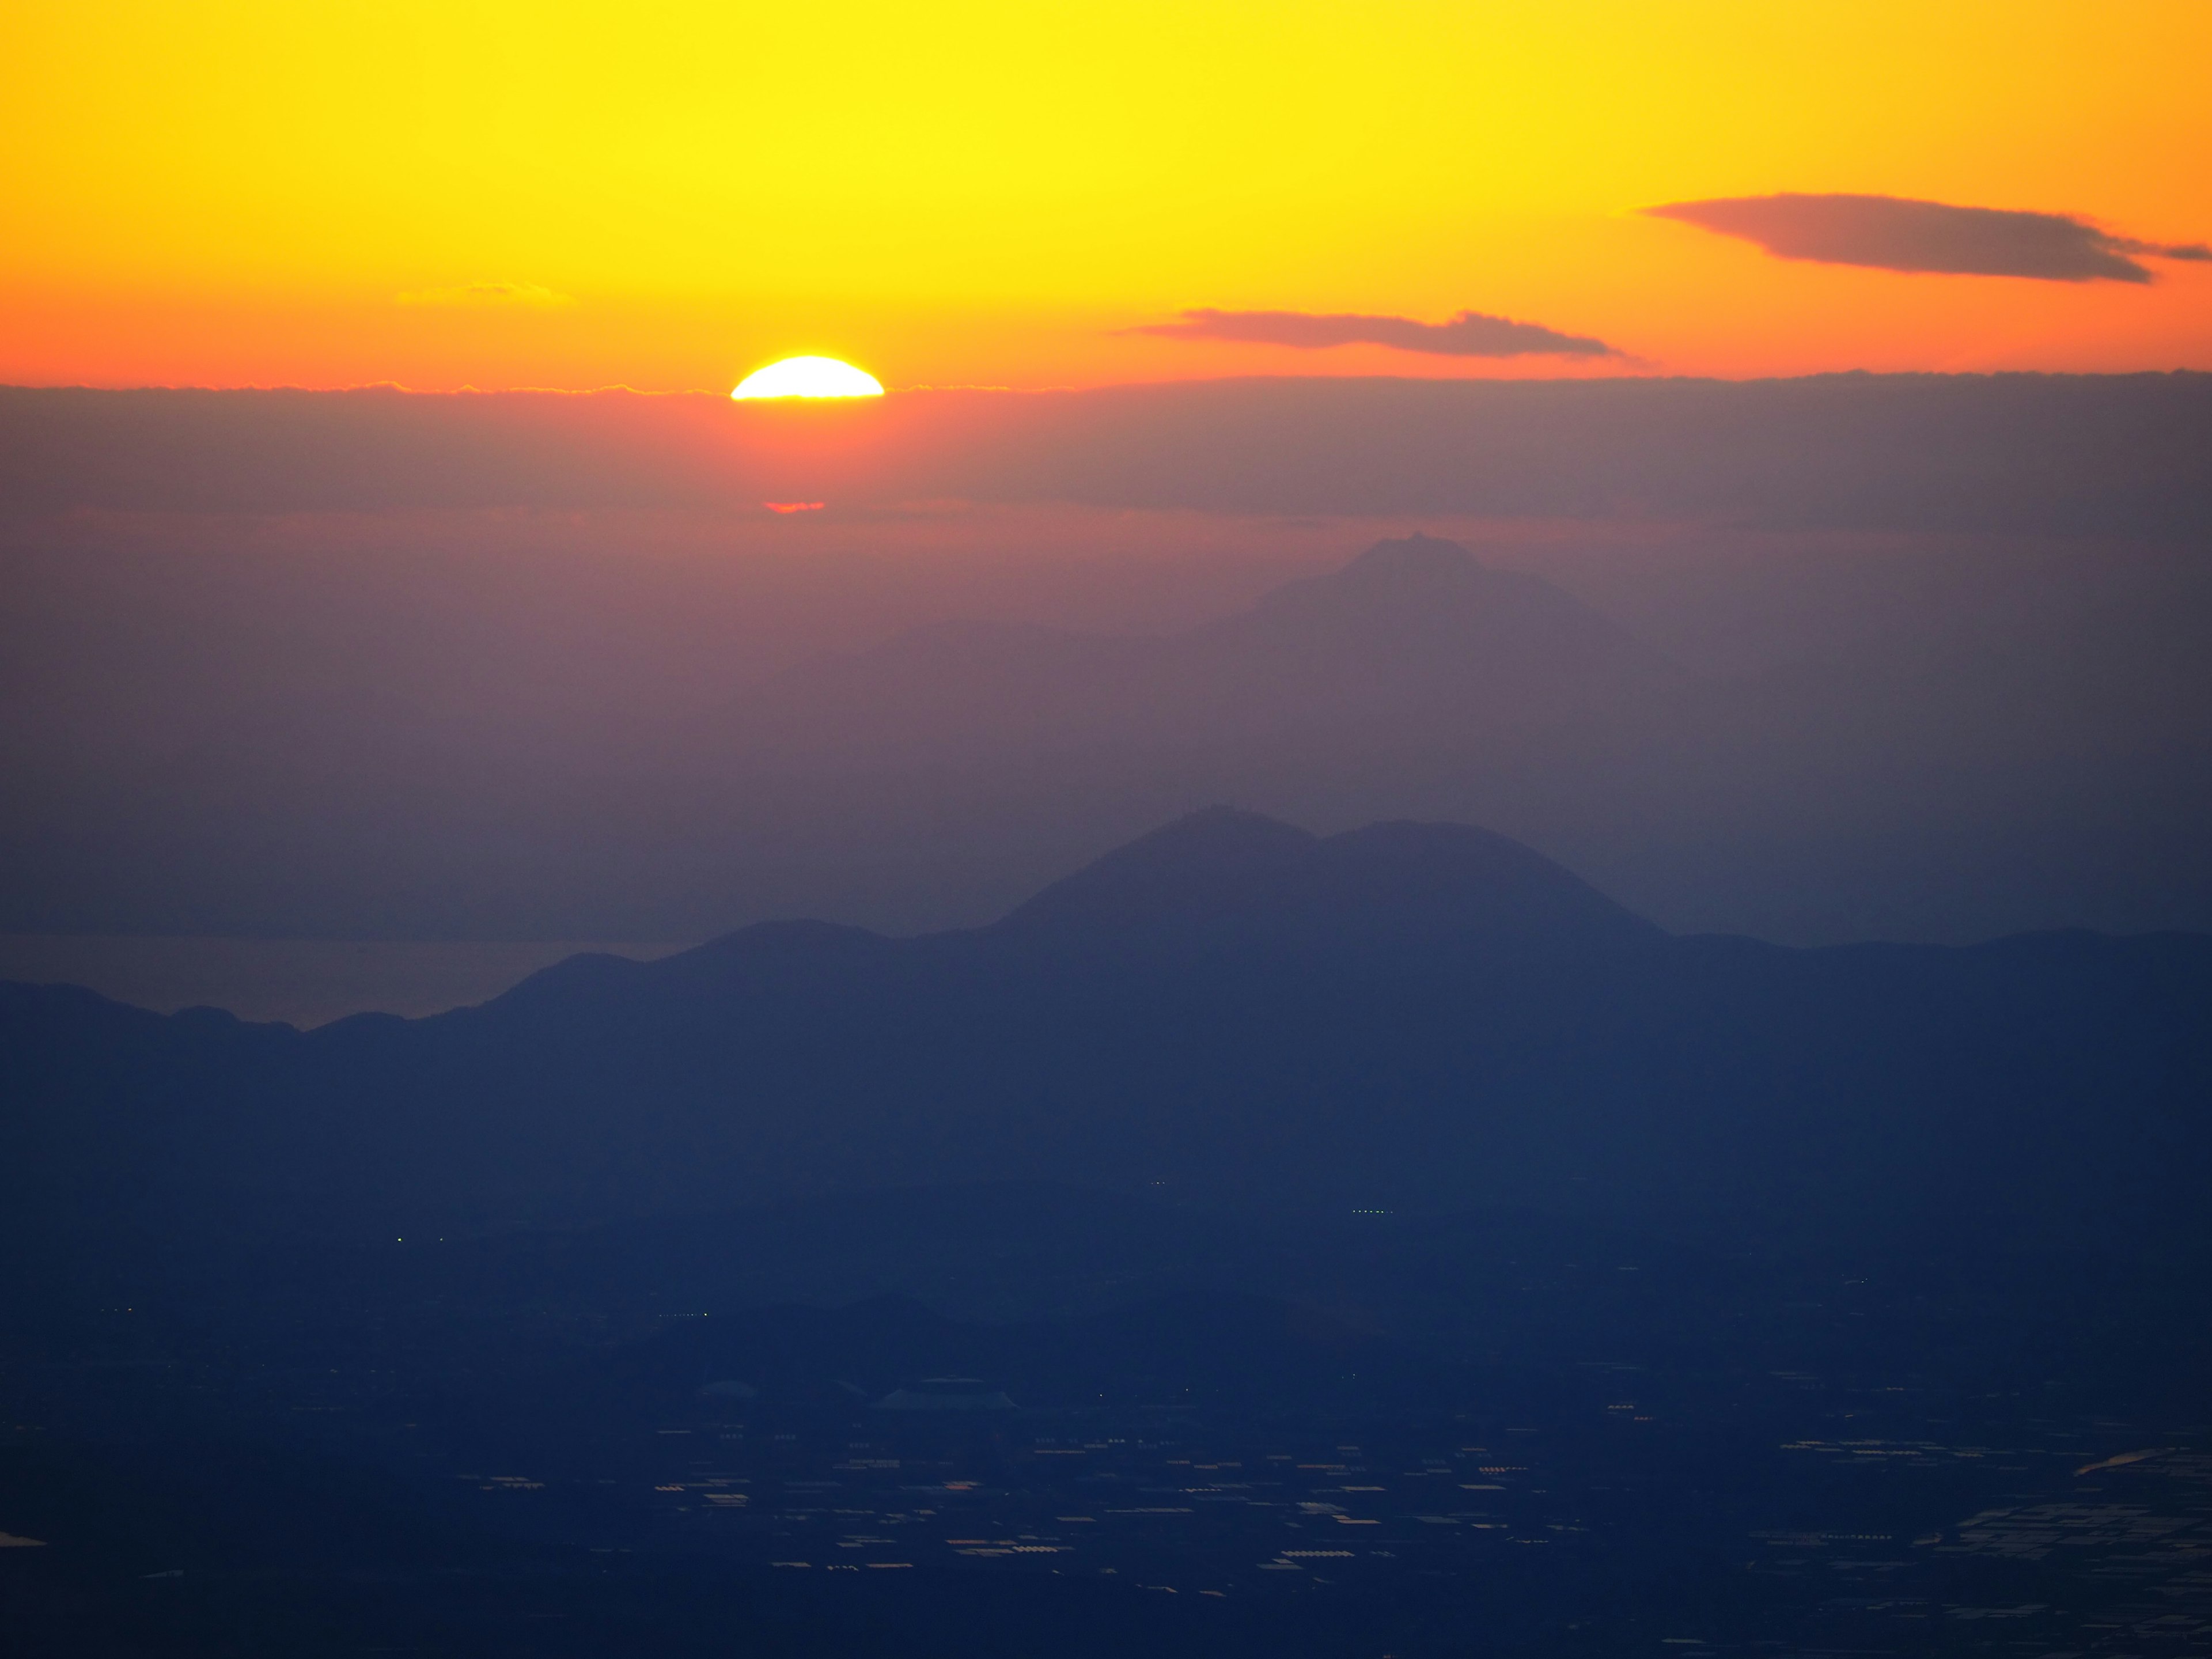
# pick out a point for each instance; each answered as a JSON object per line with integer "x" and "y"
{"x": 1328, "y": 833}
{"x": 1891, "y": 674}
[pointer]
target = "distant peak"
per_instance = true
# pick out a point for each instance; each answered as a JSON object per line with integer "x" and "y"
{"x": 1190, "y": 865}
{"x": 1408, "y": 575}
{"x": 1227, "y": 828}
{"x": 1226, "y": 872}
{"x": 1211, "y": 839}
{"x": 1415, "y": 556}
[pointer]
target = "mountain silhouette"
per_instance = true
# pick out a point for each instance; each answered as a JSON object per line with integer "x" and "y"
{"x": 1966, "y": 758}
{"x": 1224, "y": 875}
{"x": 1411, "y": 632}
{"x": 1230, "y": 1010}
{"x": 1422, "y": 612}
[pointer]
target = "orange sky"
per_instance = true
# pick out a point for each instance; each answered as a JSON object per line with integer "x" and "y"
{"x": 666, "y": 196}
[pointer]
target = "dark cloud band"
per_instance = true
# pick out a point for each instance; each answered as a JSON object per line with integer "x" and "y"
{"x": 1470, "y": 334}
{"x": 1890, "y": 233}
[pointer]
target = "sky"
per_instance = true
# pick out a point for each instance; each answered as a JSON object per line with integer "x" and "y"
{"x": 667, "y": 196}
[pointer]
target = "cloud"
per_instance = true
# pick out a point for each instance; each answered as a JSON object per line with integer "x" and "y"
{"x": 529, "y": 295}
{"x": 1470, "y": 334}
{"x": 1892, "y": 233}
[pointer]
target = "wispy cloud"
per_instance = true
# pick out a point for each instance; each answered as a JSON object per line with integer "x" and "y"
{"x": 1470, "y": 334}
{"x": 1890, "y": 233}
{"x": 526, "y": 295}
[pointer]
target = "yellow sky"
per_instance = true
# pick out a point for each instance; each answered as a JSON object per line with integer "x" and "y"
{"x": 667, "y": 195}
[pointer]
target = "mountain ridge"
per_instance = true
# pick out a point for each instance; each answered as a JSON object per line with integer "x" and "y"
{"x": 1232, "y": 1010}
{"x": 1409, "y": 629}
{"x": 1221, "y": 867}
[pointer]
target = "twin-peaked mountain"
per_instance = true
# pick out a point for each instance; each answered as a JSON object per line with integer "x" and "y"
{"x": 1404, "y": 1017}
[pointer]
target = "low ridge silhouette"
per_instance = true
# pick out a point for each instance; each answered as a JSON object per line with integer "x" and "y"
{"x": 1412, "y": 1016}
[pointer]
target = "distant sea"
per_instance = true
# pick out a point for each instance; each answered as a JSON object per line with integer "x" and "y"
{"x": 303, "y": 982}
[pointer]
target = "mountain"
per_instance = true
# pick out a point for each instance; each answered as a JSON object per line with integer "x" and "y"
{"x": 1413, "y": 635}
{"x": 1221, "y": 876}
{"x": 1909, "y": 742}
{"x": 1231, "y": 1011}
{"x": 1424, "y": 614}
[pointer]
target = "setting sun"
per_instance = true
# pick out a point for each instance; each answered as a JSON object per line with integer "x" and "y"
{"x": 1513, "y": 681}
{"x": 809, "y": 377}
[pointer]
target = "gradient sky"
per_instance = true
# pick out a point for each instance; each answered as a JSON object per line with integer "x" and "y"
{"x": 666, "y": 196}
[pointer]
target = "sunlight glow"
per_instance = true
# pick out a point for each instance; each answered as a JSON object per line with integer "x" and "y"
{"x": 809, "y": 377}
{"x": 256, "y": 192}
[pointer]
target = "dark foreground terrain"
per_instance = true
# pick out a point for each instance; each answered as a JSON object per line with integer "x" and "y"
{"x": 1191, "y": 1434}
{"x": 1382, "y": 1245}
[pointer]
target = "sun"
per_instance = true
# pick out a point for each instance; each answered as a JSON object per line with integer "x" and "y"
{"x": 809, "y": 377}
